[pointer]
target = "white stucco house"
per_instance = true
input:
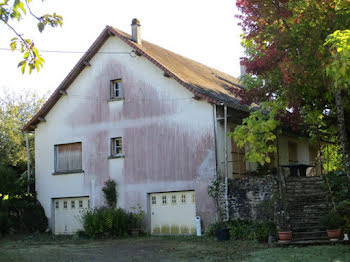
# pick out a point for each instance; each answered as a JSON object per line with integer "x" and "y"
{"x": 149, "y": 119}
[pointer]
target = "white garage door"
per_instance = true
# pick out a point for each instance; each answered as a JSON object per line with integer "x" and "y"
{"x": 68, "y": 214}
{"x": 173, "y": 213}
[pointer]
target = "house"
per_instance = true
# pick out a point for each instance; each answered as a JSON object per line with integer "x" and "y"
{"x": 149, "y": 119}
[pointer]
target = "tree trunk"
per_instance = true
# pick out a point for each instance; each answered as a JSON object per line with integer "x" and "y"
{"x": 342, "y": 134}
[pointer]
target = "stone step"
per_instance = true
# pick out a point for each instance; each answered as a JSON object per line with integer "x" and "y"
{"x": 304, "y": 221}
{"x": 307, "y": 199}
{"x": 303, "y": 234}
{"x": 307, "y": 209}
{"x": 304, "y": 178}
{"x": 303, "y": 189}
{"x": 312, "y": 228}
{"x": 310, "y": 238}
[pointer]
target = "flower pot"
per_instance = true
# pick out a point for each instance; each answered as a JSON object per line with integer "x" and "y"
{"x": 334, "y": 234}
{"x": 222, "y": 234}
{"x": 285, "y": 235}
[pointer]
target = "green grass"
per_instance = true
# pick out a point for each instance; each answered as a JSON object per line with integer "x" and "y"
{"x": 334, "y": 253}
{"x": 67, "y": 248}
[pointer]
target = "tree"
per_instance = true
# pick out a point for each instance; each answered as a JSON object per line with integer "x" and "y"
{"x": 15, "y": 10}
{"x": 286, "y": 56}
{"x": 15, "y": 111}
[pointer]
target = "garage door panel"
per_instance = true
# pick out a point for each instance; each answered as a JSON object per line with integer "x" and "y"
{"x": 67, "y": 214}
{"x": 173, "y": 213}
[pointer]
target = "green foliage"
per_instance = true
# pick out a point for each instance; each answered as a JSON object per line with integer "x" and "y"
{"x": 338, "y": 184}
{"x": 343, "y": 209}
{"x": 246, "y": 229}
{"x": 15, "y": 111}
{"x": 258, "y": 132}
{"x": 338, "y": 67}
{"x": 108, "y": 222}
{"x": 332, "y": 158}
{"x": 333, "y": 220}
{"x": 7, "y": 181}
{"x": 22, "y": 213}
{"x": 110, "y": 193}
{"x": 214, "y": 191}
{"x": 137, "y": 217}
{"x": 15, "y": 11}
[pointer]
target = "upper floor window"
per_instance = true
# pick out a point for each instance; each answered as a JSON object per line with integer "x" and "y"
{"x": 68, "y": 157}
{"x": 116, "y": 89}
{"x": 117, "y": 147}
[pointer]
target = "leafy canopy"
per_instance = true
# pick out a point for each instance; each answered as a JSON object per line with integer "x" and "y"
{"x": 15, "y": 10}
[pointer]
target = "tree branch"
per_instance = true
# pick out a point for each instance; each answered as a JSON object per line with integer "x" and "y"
{"x": 30, "y": 11}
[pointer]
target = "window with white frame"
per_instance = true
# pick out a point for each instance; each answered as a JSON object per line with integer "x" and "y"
{"x": 116, "y": 89}
{"x": 68, "y": 157}
{"x": 116, "y": 146}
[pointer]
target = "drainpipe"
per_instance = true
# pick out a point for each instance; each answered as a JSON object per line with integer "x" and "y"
{"x": 215, "y": 142}
{"x": 226, "y": 166}
{"x": 28, "y": 162}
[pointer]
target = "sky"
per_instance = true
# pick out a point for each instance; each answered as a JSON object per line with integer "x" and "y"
{"x": 203, "y": 30}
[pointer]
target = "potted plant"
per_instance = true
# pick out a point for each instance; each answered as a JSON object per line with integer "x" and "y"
{"x": 284, "y": 231}
{"x": 332, "y": 222}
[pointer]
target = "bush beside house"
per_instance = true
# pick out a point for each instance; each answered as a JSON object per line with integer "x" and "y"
{"x": 22, "y": 214}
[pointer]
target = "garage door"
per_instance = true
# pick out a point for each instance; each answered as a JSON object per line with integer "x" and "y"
{"x": 68, "y": 214}
{"x": 173, "y": 213}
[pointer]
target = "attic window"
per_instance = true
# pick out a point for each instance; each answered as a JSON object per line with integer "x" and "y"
{"x": 116, "y": 89}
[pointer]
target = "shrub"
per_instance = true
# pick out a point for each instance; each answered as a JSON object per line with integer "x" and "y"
{"x": 343, "y": 209}
{"x": 22, "y": 214}
{"x": 107, "y": 222}
{"x": 110, "y": 193}
{"x": 338, "y": 182}
{"x": 332, "y": 220}
{"x": 242, "y": 229}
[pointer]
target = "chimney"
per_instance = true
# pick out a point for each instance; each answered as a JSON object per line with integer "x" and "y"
{"x": 136, "y": 31}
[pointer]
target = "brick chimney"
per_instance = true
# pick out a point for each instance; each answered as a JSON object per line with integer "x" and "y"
{"x": 136, "y": 31}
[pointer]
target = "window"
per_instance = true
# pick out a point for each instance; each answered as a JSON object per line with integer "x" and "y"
{"x": 173, "y": 199}
{"x": 116, "y": 148}
{"x": 116, "y": 89}
{"x": 68, "y": 157}
{"x": 183, "y": 199}
{"x": 57, "y": 204}
{"x": 154, "y": 200}
{"x": 72, "y": 204}
{"x": 65, "y": 204}
{"x": 164, "y": 200}
{"x": 80, "y": 203}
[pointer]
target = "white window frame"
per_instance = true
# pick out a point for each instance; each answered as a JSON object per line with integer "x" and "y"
{"x": 116, "y": 89}
{"x": 117, "y": 150}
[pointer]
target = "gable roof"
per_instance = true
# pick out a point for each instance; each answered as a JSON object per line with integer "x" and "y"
{"x": 205, "y": 82}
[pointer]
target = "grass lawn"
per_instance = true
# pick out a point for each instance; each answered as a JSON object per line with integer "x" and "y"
{"x": 65, "y": 248}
